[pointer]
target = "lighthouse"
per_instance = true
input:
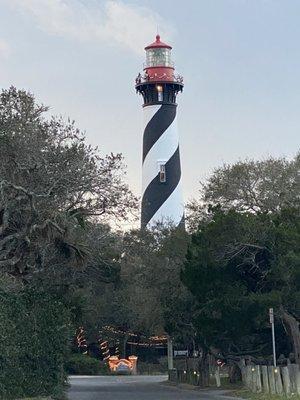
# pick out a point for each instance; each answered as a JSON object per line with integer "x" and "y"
{"x": 162, "y": 200}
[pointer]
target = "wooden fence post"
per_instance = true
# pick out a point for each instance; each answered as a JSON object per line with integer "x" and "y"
{"x": 244, "y": 376}
{"x": 197, "y": 378}
{"x": 179, "y": 377}
{"x": 182, "y": 376}
{"x": 248, "y": 376}
{"x": 173, "y": 375}
{"x": 185, "y": 376}
{"x": 292, "y": 377}
{"x": 278, "y": 381}
{"x": 286, "y": 381}
{"x": 242, "y": 365}
{"x": 271, "y": 380}
{"x": 265, "y": 379}
{"x": 274, "y": 380}
{"x": 258, "y": 378}
{"x": 191, "y": 377}
{"x": 217, "y": 376}
{"x": 297, "y": 379}
{"x": 293, "y": 372}
{"x": 253, "y": 379}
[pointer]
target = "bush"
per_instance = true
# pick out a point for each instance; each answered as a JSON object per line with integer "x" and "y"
{"x": 34, "y": 340}
{"x": 146, "y": 368}
{"x": 82, "y": 364}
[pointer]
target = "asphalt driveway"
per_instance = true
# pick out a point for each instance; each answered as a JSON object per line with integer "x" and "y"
{"x": 132, "y": 388}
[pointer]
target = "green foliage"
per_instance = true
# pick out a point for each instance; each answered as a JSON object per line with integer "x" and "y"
{"x": 146, "y": 368}
{"x": 52, "y": 184}
{"x": 82, "y": 364}
{"x": 35, "y": 332}
{"x": 149, "y": 297}
{"x": 238, "y": 265}
{"x": 247, "y": 394}
{"x": 248, "y": 186}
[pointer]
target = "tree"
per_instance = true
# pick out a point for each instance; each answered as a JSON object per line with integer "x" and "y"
{"x": 56, "y": 195}
{"x": 249, "y": 186}
{"x": 238, "y": 265}
{"x": 51, "y": 182}
{"x": 148, "y": 298}
{"x": 150, "y": 269}
{"x": 35, "y": 329}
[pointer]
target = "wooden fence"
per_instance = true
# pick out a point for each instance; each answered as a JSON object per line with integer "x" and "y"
{"x": 184, "y": 376}
{"x": 282, "y": 380}
{"x": 274, "y": 380}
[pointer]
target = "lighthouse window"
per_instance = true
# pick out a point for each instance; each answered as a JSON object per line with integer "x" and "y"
{"x": 160, "y": 93}
{"x": 162, "y": 173}
{"x": 158, "y": 57}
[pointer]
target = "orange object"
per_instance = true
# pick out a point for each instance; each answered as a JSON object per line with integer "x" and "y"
{"x": 123, "y": 365}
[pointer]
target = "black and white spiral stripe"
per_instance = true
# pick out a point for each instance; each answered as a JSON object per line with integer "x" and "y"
{"x": 161, "y": 202}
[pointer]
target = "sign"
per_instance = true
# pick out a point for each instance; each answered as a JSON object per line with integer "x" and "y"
{"x": 181, "y": 353}
{"x": 271, "y": 313}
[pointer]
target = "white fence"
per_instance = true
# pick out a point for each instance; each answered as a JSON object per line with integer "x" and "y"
{"x": 274, "y": 380}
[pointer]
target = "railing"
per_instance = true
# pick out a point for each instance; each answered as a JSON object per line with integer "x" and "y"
{"x": 147, "y": 78}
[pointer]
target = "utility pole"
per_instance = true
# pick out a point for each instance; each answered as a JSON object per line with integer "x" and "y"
{"x": 170, "y": 354}
{"x": 271, "y": 314}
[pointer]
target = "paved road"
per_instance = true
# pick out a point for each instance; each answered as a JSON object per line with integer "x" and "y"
{"x": 130, "y": 388}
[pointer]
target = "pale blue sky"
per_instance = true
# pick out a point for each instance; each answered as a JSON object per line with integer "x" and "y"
{"x": 240, "y": 60}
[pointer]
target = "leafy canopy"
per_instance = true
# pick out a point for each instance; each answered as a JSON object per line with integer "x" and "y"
{"x": 238, "y": 265}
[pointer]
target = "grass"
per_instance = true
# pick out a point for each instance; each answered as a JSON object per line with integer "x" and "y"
{"x": 247, "y": 394}
{"x": 225, "y": 384}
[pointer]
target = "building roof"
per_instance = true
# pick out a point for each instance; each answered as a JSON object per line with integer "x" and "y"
{"x": 158, "y": 44}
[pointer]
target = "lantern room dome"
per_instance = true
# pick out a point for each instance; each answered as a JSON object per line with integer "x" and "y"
{"x": 158, "y": 44}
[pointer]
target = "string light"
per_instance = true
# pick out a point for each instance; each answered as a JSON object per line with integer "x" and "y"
{"x": 81, "y": 341}
{"x": 144, "y": 344}
{"x": 103, "y": 344}
{"x": 152, "y": 341}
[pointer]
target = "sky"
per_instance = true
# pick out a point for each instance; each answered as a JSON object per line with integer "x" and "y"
{"x": 240, "y": 60}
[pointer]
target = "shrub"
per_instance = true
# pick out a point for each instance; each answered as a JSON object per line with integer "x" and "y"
{"x": 34, "y": 339}
{"x": 146, "y": 368}
{"x": 82, "y": 364}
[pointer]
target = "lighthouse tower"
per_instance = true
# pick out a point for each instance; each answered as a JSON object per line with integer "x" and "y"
{"x": 161, "y": 192}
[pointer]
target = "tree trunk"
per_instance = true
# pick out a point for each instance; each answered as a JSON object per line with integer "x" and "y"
{"x": 203, "y": 366}
{"x": 126, "y": 337}
{"x": 235, "y": 374}
{"x": 293, "y": 328}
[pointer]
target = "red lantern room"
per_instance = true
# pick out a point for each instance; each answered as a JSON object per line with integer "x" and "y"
{"x": 159, "y": 84}
{"x": 159, "y": 65}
